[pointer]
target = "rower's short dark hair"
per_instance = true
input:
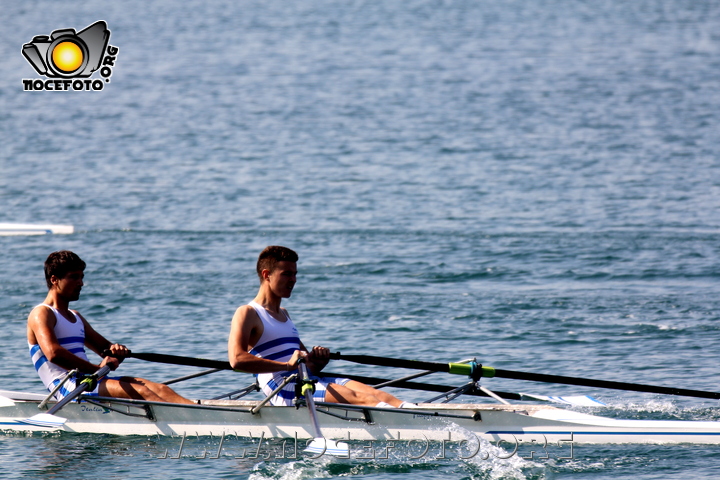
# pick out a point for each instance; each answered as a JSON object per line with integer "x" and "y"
{"x": 273, "y": 254}
{"x": 60, "y": 263}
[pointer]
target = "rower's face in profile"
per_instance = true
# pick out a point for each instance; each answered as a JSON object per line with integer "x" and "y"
{"x": 70, "y": 285}
{"x": 283, "y": 278}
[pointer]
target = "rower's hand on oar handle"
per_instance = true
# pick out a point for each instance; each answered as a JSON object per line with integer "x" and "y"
{"x": 111, "y": 362}
{"x": 295, "y": 359}
{"x": 114, "y": 355}
{"x": 318, "y": 359}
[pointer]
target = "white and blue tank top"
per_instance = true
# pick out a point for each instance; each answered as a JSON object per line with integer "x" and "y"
{"x": 278, "y": 342}
{"x": 70, "y": 335}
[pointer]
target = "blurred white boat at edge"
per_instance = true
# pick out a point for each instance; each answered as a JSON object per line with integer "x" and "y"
{"x": 7, "y": 229}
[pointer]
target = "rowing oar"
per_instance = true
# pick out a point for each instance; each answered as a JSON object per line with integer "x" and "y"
{"x": 471, "y": 369}
{"x": 319, "y": 444}
{"x": 179, "y": 360}
{"x": 579, "y": 400}
{"x": 216, "y": 365}
{"x": 49, "y": 419}
{"x": 476, "y": 371}
{"x": 427, "y": 387}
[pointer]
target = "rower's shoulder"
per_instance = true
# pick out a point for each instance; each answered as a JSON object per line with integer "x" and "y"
{"x": 246, "y": 323}
{"x": 246, "y": 313}
{"x": 41, "y": 311}
{"x": 40, "y": 317}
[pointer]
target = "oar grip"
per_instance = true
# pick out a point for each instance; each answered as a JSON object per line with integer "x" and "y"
{"x": 108, "y": 353}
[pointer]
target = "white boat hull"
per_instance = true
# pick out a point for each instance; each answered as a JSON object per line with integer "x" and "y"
{"x": 511, "y": 423}
{"x": 7, "y": 229}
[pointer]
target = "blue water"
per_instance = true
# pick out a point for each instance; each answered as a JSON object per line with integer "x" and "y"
{"x": 536, "y": 184}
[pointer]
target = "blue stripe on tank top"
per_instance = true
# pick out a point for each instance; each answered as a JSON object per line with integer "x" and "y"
{"x": 284, "y": 353}
{"x": 40, "y": 362}
{"x": 284, "y": 393}
{"x": 275, "y": 343}
{"x": 67, "y": 340}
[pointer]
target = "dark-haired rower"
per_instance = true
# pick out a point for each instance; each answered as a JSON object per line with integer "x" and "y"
{"x": 264, "y": 340}
{"x": 57, "y": 337}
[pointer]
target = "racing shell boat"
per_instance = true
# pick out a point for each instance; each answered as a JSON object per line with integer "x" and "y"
{"x": 426, "y": 421}
{"x": 504, "y": 421}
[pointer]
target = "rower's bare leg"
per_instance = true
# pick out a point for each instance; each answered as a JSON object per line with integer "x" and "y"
{"x": 356, "y": 393}
{"x": 141, "y": 389}
{"x": 379, "y": 394}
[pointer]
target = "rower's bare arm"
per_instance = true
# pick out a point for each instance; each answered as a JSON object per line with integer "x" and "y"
{"x": 93, "y": 340}
{"x": 41, "y": 331}
{"x": 245, "y": 331}
{"x": 99, "y": 344}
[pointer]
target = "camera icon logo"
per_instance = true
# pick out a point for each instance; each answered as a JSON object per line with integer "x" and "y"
{"x": 68, "y": 54}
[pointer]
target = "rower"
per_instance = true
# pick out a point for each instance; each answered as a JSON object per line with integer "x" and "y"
{"x": 57, "y": 337}
{"x": 263, "y": 340}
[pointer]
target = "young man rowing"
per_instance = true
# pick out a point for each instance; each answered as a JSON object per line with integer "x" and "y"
{"x": 264, "y": 340}
{"x": 57, "y": 337}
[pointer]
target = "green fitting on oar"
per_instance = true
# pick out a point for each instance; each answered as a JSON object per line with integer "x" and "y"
{"x": 307, "y": 386}
{"x": 488, "y": 372}
{"x": 90, "y": 381}
{"x": 460, "y": 368}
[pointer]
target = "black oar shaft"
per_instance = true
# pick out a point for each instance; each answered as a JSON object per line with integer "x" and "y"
{"x": 190, "y": 377}
{"x": 452, "y": 368}
{"x": 392, "y": 362}
{"x": 307, "y": 391}
{"x": 427, "y": 387}
{"x": 179, "y": 360}
{"x": 536, "y": 377}
{"x": 587, "y": 382}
